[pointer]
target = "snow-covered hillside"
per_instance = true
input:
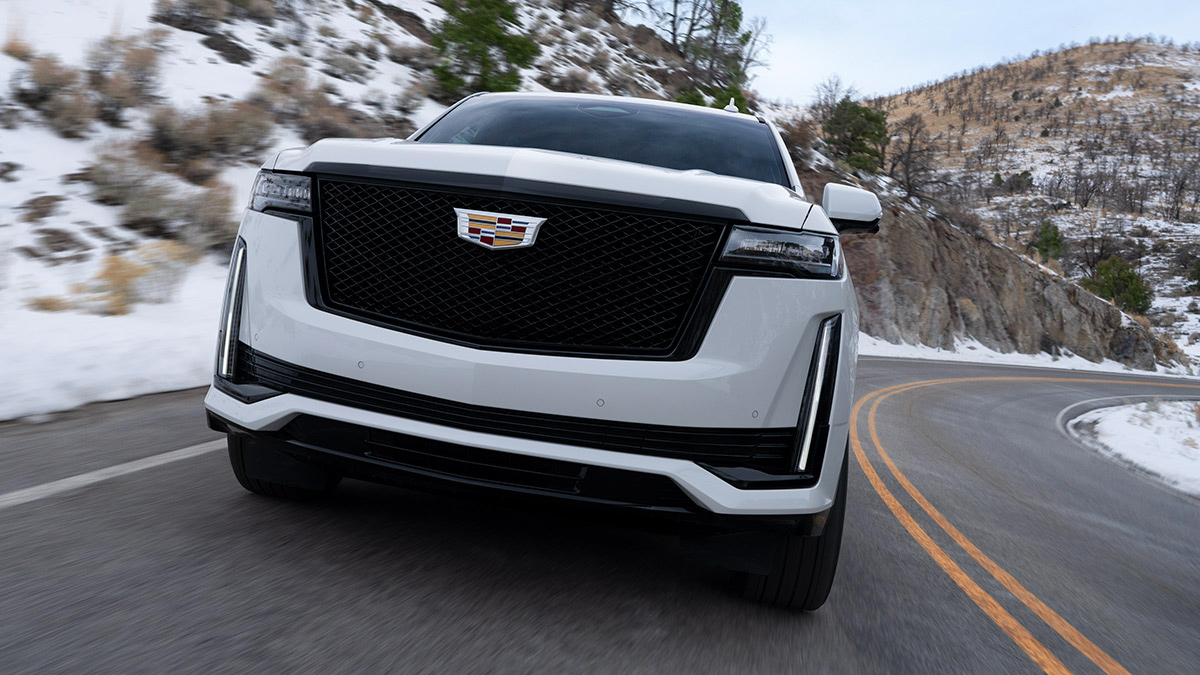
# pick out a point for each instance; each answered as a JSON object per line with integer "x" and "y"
{"x": 124, "y": 122}
{"x": 1098, "y": 140}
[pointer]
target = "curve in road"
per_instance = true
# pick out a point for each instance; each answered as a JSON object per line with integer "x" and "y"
{"x": 1046, "y": 556}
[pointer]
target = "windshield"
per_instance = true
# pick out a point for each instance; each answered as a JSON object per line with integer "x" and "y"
{"x": 673, "y": 138}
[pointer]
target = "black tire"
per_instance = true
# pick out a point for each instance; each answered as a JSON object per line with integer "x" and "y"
{"x": 803, "y": 568}
{"x": 296, "y": 480}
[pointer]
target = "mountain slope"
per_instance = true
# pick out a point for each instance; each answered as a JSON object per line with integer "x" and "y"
{"x": 1102, "y": 141}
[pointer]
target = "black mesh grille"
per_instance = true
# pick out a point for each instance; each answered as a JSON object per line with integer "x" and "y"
{"x": 595, "y": 281}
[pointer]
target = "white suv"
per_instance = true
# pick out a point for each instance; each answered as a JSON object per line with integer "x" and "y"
{"x": 602, "y": 302}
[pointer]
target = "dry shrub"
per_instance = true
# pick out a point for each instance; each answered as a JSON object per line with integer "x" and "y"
{"x": 150, "y": 209}
{"x": 623, "y": 81}
{"x": 45, "y": 77}
{"x": 332, "y": 121}
{"x": 55, "y": 90}
{"x": 343, "y": 66}
{"x": 115, "y": 94}
{"x": 17, "y": 48}
{"x": 600, "y": 61}
{"x": 589, "y": 20}
{"x": 327, "y": 31}
{"x": 287, "y": 90}
{"x": 49, "y": 303}
{"x": 573, "y": 81}
{"x": 799, "y": 134}
{"x": 207, "y": 221}
{"x": 124, "y": 72}
{"x": 70, "y": 113}
{"x": 287, "y": 76}
{"x": 551, "y": 36}
{"x": 153, "y": 205}
{"x": 37, "y": 209}
{"x": 411, "y": 97}
{"x": 199, "y": 16}
{"x": 381, "y": 39}
{"x": 262, "y": 11}
{"x": 166, "y": 264}
{"x": 1141, "y": 321}
{"x": 290, "y": 96}
{"x": 369, "y": 50}
{"x": 113, "y": 291}
{"x": 140, "y": 63}
{"x": 222, "y": 131}
{"x": 120, "y": 174}
{"x": 967, "y": 219}
{"x": 417, "y": 57}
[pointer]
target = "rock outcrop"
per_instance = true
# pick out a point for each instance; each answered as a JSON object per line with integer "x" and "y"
{"x": 923, "y": 280}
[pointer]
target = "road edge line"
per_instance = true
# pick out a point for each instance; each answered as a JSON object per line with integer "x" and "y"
{"x": 53, "y": 488}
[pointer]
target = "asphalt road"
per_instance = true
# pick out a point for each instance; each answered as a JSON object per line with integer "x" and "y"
{"x": 997, "y": 545}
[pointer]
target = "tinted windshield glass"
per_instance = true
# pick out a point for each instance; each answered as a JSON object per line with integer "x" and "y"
{"x": 618, "y": 129}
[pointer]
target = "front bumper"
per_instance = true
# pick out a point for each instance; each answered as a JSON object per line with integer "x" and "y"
{"x": 271, "y": 416}
{"x": 647, "y": 500}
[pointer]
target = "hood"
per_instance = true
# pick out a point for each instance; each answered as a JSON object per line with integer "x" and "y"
{"x": 515, "y": 168}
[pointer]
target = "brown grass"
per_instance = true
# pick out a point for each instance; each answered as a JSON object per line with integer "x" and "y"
{"x": 49, "y": 303}
{"x": 115, "y": 285}
{"x": 16, "y": 47}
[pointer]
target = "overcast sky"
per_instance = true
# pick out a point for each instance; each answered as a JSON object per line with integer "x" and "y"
{"x": 882, "y": 46}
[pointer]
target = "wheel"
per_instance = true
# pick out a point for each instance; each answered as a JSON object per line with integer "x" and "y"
{"x": 264, "y": 470}
{"x": 802, "y": 569}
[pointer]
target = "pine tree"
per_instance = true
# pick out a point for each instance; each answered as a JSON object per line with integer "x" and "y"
{"x": 1116, "y": 280}
{"x": 858, "y": 134}
{"x": 1048, "y": 241}
{"x": 477, "y": 50}
{"x": 691, "y": 97}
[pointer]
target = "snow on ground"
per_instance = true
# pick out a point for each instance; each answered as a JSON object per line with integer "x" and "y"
{"x": 1161, "y": 438}
{"x": 61, "y": 360}
{"x": 970, "y": 351}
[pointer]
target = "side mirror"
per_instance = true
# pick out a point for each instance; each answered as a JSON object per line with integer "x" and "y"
{"x": 851, "y": 210}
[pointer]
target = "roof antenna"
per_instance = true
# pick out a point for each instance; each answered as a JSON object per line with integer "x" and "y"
{"x": 732, "y": 107}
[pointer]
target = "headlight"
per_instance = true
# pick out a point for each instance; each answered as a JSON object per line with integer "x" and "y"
{"x": 801, "y": 253}
{"x": 281, "y": 191}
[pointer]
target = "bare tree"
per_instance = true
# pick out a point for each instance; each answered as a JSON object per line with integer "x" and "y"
{"x": 827, "y": 94}
{"x": 913, "y": 161}
{"x": 756, "y": 44}
{"x": 1100, "y": 241}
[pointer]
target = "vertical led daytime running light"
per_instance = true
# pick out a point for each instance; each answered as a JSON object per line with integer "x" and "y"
{"x": 816, "y": 385}
{"x": 233, "y": 311}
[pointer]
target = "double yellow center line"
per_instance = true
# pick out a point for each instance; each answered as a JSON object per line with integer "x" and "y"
{"x": 1024, "y": 639}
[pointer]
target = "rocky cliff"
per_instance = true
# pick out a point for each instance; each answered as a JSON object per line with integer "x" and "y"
{"x": 924, "y": 280}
